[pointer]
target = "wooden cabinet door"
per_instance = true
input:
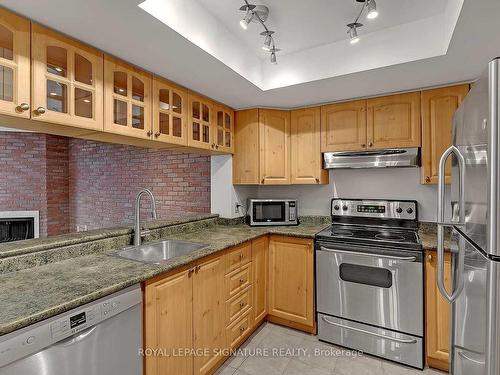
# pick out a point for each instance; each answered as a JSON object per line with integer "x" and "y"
{"x": 437, "y": 313}
{"x": 169, "y": 112}
{"x": 438, "y": 107}
{"x": 305, "y": 150}
{"x": 343, "y": 126}
{"x": 168, "y": 323}
{"x": 224, "y": 129}
{"x": 274, "y": 142}
{"x": 291, "y": 294}
{"x": 394, "y": 121}
{"x": 67, "y": 84}
{"x": 260, "y": 268}
{"x": 14, "y": 64}
{"x": 209, "y": 313}
{"x": 246, "y": 147}
{"x": 200, "y": 122}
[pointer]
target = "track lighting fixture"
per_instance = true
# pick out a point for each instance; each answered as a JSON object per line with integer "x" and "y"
{"x": 259, "y": 14}
{"x": 372, "y": 10}
{"x": 353, "y": 32}
{"x": 371, "y": 7}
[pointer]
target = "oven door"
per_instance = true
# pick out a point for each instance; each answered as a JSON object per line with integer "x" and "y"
{"x": 269, "y": 212}
{"x": 369, "y": 285}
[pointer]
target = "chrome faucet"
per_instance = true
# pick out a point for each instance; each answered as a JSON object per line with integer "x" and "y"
{"x": 137, "y": 222}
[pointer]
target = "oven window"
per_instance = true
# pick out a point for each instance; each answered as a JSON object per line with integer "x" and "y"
{"x": 379, "y": 277}
{"x": 269, "y": 212}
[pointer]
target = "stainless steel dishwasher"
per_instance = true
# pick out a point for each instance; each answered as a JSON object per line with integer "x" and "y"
{"x": 100, "y": 338}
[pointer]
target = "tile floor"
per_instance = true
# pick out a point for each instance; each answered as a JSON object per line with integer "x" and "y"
{"x": 271, "y": 336}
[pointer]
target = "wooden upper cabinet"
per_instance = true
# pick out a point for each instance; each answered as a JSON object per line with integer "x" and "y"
{"x": 291, "y": 279}
{"x": 170, "y": 103}
{"x": 343, "y": 126}
{"x": 438, "y": 107}
{"x": 200, "y": 122}
{"x": 67, "y": 84}
{"x": 274, "y": 143}
{"x": 224, "y": 129}
{"x": 168, "y": 323}
{"x": 14, "y": 65}
{"x": 127, "y": 99}
{"x": 437, "y": 313}
{"x": 305, "y": 133}
{"x": 246, "y": 147}
{"x": 393, "y": 121}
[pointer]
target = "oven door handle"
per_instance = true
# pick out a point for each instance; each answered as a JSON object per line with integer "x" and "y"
{"x": 371, "y": 255}
{"x": 401, "y": 341}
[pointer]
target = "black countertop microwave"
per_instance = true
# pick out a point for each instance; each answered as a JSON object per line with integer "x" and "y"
{"x": 272, "y": 212}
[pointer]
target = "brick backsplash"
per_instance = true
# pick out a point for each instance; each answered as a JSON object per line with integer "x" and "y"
{"x": 74, "y": 182}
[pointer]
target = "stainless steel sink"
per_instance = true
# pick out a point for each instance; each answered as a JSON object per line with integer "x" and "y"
{"x": 157, "y": 252}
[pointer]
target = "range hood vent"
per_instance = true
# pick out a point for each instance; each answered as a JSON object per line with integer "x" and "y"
{"x": 389, "y": 158}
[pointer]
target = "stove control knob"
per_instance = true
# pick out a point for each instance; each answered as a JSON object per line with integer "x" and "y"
{"x": 336, "y": 207}
{"x": 344, "y": 207}
{"x": 399, "y": 210}
{"x": 409, "y": 210}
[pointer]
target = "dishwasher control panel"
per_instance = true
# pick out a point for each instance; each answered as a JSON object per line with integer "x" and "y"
{"x": 36, "y": 337}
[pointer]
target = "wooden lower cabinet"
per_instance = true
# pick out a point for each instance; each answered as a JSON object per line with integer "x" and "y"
{"x": 437, "y": 314}
{"x": 168, "y": 323}
{"x": 208, "y": 312}
{"x": 260, "y": 268}
{"x": 291, "y": 280}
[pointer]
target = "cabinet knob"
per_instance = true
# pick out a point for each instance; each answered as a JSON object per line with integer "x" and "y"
{"x": 157, "y": 134}
{"x": 242, "y": 329}
{"x": 23, "y": 107}
{"x": 241, "y": 255}
{"x": 190, "y": 272}
{"x": 429, "y": 257}
{"x": 242, "y": 304}
{"x": 370, "y": 144}
{"x": 242, "y": 281}
{"x": 40, "y": 111}
{"x": 317, "y": 180}
{"x": 363, "y": 145}
{"x": 149, "y": 133}
{"x": 197, "y": 268}
{"x": 427, "y": 179}
{"x": 262, "y": 181}
{"x": 217, "y": 147}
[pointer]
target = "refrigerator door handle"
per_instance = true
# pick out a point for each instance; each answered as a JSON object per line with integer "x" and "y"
{"x": 458, "y": 285}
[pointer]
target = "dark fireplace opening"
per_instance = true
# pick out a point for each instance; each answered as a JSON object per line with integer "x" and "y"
{"x": 16, "y": 229}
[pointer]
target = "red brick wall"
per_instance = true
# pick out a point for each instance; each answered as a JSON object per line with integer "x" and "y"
{"x": 105, "y": 178}
{"x": 74, "y": 182}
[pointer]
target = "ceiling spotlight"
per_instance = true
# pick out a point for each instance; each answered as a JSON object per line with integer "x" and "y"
{"x": 353, "y": 32}
{"x": 248, "y": 16}
{"x": 372, "y": 9}
{"x": 268, "y": 41}
{"x": 273, "y": 55}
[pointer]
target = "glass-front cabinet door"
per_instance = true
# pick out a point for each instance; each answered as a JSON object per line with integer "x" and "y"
{"x": 224, "y": 129}
{"x": 200, "y": 122}
{"x": 127, "y": 99}
{"x": 67, "y": 81}
{"x": 169, "y": 112}
{"x": 14, "y": 65}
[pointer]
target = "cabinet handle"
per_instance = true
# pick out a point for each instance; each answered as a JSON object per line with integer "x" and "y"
{"x": 217, "y": 147}
{"x": 262, "y": 181}
{"x": 40, "y": 111}
{"x": 427, "y": 179}
{"x": 23, "y": 107}
{"x": 370, "y": 144}
{"x": 197, "y": 268}
{"x": 363, "y": 145}
{"x": 157, "y": 134}
{"x": 242, "y": 304}
{"x": 190, "y": 272}
{"x": 429, "y": 257}
{"x": 317, "y": 180}
{"x": 241, "y": 255}
{"x": 149, "y": 133}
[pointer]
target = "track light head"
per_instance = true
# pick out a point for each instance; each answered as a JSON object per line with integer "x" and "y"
{"x": 246, "y": 20}
{"x": 273, "y": 55}
{"x": 353, "y": 32}
{"x": 372, "y": 10}
{"x": 268, "y": 40}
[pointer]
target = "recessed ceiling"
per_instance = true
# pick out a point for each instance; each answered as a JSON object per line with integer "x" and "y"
{"x": 122, "y": 28}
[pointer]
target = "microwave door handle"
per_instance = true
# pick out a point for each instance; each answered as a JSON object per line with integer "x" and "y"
{"x": 458, "y": 285}
{"x": 372, "y": 255}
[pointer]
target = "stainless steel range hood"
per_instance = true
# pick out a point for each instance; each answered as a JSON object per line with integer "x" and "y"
{"x": 388, "y": 158}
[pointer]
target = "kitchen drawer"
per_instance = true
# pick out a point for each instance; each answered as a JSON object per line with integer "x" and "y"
{"x": 238, "y": 305}
{"x": 384, "y": 343}
{"x": 238, "y": 280}
{"x": 239, "y": 330}
{"x": 239, "y": 256}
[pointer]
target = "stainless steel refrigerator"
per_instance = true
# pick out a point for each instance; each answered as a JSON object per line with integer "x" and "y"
{"x": 475, "y": 221}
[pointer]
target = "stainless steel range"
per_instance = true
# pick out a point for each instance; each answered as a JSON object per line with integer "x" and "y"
{"x": 369, "y": 276}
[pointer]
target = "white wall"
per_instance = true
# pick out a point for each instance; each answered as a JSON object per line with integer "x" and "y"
{"x": 391, "y": 183}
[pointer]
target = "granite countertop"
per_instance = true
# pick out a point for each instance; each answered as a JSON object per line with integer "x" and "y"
{"x": 31, "y": 295}
{"x": 428, "y": 237}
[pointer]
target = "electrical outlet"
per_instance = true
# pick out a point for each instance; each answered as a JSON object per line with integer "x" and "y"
{"x": 237, "y": 206}
{"x": 81, "y": 228}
